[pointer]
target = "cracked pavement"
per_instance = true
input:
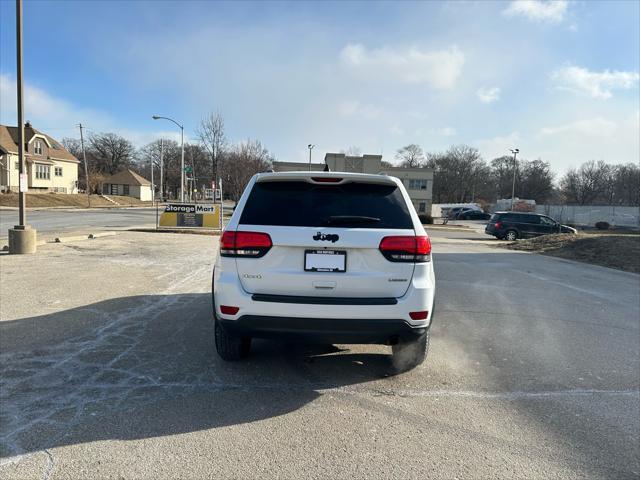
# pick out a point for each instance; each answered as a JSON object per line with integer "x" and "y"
{"x": 108, "y": 370}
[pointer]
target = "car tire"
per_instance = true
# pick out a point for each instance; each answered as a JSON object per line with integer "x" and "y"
{"x": 511, "y": 235}
{"x": 408, "y": 354}
{"x": 231, "y": 347}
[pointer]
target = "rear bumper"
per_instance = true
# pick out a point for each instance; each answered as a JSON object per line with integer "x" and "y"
{"x": 492, "y": 231}
{"x": 324, "y": 330}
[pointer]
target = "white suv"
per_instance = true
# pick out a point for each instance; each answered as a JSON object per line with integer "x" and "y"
{"x": 325, "y": 257}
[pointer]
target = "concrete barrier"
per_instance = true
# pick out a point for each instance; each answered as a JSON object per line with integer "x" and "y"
{"x": 22, "y": 240}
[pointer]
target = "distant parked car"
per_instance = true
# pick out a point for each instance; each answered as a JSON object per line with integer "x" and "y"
{"x": 473, "y": 215}
{"x": 454, "y": 213}
{"x": 514, "y": 225}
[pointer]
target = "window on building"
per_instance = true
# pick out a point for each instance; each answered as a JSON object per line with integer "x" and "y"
{"x": 417, "y": 184}
{"x": 125, "y": 189}
{"x": 37, "y": 147}
{"x": 58, "y": 171}
{"x": 422, "y": 207}
{"x": 17, "y": 165}
{"x": 43, "y": 172}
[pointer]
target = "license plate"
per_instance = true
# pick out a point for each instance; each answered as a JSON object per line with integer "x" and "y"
{"x": 325, "y": 261}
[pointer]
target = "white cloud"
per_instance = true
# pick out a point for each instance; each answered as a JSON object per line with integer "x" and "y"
{"x": 593, "y": 84}
{"x": 445, "y": 131}
{"x": 488, "y": 94}
{"x": 613, "y": 140}
{"x": 355, "y": 108}
{"x": 43, "y": 109}
{"x": 599, "y": 127}
{"x": 439, "y": 68}
{"x": 59, "y": 118}
{"x": 498, "y": 146}
{"x": 552, "y": 11}
{"x": 396, "y": 130}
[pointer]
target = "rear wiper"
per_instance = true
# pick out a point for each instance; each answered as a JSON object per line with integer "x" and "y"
{"x": 339, "y": 219}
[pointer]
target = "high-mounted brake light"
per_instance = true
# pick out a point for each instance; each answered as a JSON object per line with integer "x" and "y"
{"x": 326, "y": 179}
{"x": 406, "y": 248}
{"x": 244, "y": 244}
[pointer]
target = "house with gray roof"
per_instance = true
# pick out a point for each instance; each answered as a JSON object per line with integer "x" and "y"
{"x": 50, "y": 167}
{"x": 129, "y": 183}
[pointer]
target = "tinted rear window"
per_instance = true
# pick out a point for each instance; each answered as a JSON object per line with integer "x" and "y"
{"x": 302, "y": 204}
{"x": 522, "y": 218}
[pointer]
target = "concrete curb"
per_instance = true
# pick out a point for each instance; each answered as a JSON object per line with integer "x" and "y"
{"x": 74, "y": 238}
{"x": 176, "y": 230}
{"x": 70, "y": 238}
{"x": 102, "y": 234}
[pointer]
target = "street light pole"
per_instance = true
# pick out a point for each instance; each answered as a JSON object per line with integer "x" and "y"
{"x": 157, "y": 117}
{"x": 515, "y": 152}
{"x": 22, "y": 188}
{"x": 161, "y": 169}
{"x": 153, "y": 185}
{"x": 181, "y": 163}
{"x": 22, "y": 238}
{"x": 310, "y": 147}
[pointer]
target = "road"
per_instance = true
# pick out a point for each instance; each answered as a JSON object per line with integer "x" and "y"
{"x": 109, "y": 371}
{"x": 59, "y": 220}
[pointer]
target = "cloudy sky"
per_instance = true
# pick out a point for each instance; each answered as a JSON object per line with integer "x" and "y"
{"x": 559, "y": 80}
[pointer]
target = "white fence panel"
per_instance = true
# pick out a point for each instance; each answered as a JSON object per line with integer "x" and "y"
{"x": 588, "y": 215}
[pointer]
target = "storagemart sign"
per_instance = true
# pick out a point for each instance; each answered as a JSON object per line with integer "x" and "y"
{"x": 191, "y": 215}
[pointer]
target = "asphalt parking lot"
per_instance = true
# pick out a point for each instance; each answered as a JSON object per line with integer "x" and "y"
{"x": 108, "y": 370}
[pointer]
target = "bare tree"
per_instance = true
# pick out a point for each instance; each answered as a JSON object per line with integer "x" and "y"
{"x": 352, "y": 151}
{"x": 534, "y": 179}
{"x": 410, "y": 156}
{"x": 456, "y": 173}
{"x": 72, "y": 145}
{"x": 626, "y": 185}
{"x": 212, "y": 138}
{"x": 588, "y": 184}
{"x": 171, "y": 160}
{"x": 110, "y": 153}
{"x": 240, "y": 163}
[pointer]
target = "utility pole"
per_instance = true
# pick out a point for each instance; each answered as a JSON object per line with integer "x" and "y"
{"x": 86, "y": 169}
{"x": 153, "y": 185}
{"x": 181, "y": 127}
{"x": 310, "y": 147}
{"x": 22, "y": 238}
{"x": 515, "y": 152}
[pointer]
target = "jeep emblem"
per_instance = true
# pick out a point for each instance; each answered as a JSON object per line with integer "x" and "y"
{"x": 330, "y": 237}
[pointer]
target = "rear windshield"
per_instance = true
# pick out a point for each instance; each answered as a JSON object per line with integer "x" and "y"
{"x": 303, "y": 204}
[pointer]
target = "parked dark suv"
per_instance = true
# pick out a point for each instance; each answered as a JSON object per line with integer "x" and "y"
{"x": 514, "y": 225}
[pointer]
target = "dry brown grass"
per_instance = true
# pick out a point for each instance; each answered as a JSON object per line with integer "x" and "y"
{"x": 35, "y": 200}
{"x": 608, "y": 250}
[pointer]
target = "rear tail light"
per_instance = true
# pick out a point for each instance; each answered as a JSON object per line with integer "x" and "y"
{"x": 244, "y": 244}
{"x": 228, "y": 310}
{"x": 498, "y": 224}
{"x": 419, "y": 315}
{"x": 406, "y": 248}
{"x": 326, "y": 179}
